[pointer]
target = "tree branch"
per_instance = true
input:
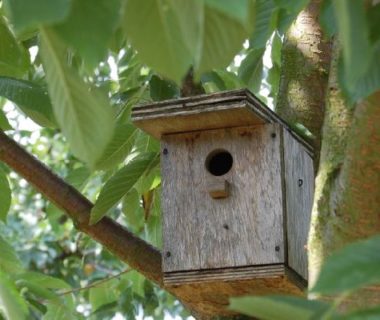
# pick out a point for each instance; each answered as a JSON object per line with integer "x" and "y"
{"x": 137, "y": 253}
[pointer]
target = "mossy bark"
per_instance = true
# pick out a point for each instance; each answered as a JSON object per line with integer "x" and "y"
{"x": 347, "y": 188}
{"x": 305, "y": 66}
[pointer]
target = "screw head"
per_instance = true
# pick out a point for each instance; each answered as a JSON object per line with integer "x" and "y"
{"x": 165, "y": 151}
{"x": 168, "y": 254}
{"x": 225, "y": 226}
{"x": 277, "y": 248}
{"x": 273, "y": 135}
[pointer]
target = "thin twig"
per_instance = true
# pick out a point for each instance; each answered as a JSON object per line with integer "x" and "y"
{"x": 94, "y": 284}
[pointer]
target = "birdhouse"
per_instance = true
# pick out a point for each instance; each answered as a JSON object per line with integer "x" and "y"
{"x": 237, "y": 188}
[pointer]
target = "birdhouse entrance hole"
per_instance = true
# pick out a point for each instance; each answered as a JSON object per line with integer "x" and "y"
{"x": 219, "y": 162}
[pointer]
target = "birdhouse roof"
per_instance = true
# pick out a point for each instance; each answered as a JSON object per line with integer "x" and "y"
{"x": 225, "y": 109}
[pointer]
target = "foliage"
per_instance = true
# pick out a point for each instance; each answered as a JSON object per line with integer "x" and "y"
{"x": 72, "y": 70}
{"x": 354, "y": 267}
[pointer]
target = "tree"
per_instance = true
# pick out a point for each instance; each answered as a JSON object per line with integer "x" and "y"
{"x": 93, "y": 62}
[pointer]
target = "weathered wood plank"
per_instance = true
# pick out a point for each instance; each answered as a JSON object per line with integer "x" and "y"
{"x": 242, "y": 273}
{"x": 204, "y": 112}
{"x": 244, "y": 229}
{"x": 299, "y": 188}
{"x": 213, "y": 296}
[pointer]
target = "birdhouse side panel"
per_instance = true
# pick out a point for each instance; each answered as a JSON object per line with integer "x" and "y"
{"x": 215, "y": 219}
{"x": 299, "y": 184}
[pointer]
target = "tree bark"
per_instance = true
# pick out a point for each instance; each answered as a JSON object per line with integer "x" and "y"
{"x": 347, "y": 199}
{"x": 137, "y": 253}
{"x": 305, "y": 60}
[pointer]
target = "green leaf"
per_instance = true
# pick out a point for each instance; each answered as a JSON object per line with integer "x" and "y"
{"x": 118, "y": 148}
{"x": 43, "y": 280}
{"x": 178, "y": 34}
{"x": 231, "y": 80}
{"x": 222, "y": 39}
{"x": 161, "y": 89}
{"x": 366, "y": 84}
{"x": 356, "y": 265}
{"x": 265, "y": 23}
{"x": 354, "y": 38}
{"x": 5, "y": 196}
{"x": 251, "y": 69}
{"x": 13, "y": 57}
{"x": 89, "y": 28}
{"x": 78, "y": 177}
{"x": 12, "y": 306}
{"x": 327, "y": 18}
{"x": 159, "y": 40}
{"x": 32, "y": 99}
{"x": 26, "y": 14}
{"x": 4, "y": 123}
{"x": 132, "y": 209}
{"x": 9, "y": 261}
{"x": 120, "y": 184}
{"x": 57, "y": 310}
{"x": 294, "y": 6}
{"x": 373, "y": 17}
{"x": 237, "y": 9}
{"x": 103, "y": 294}
{"x": 84, "y": 115}
{"x": 279, "y": 307}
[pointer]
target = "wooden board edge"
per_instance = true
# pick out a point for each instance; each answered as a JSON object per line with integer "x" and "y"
{"x": 227, "y": 274}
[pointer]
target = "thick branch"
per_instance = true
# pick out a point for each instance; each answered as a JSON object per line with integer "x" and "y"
{"x": 138, "y": 254}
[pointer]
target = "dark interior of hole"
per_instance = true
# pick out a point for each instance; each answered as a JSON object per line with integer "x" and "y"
{"x": 219, "y": 163}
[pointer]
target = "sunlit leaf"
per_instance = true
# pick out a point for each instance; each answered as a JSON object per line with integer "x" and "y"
{"x": 279, "y": 307}
{"x": 353, "y": 267}
{"x": 25, "y": 14}
{"x": 159, "y": 40}
{"x": 176, "y": 35}
{"x": 89, "y": 28}
{"x": 32, "y": 99}
{"x": 84, "y": 115}
{"x": 265, "y": 23}
{"x": 12, "y": 305}
{"x": 251, "y": 69}
{"x": 120, "y": 184}
{"x": 222, "y": 39}
{"x": 5, "y": 196}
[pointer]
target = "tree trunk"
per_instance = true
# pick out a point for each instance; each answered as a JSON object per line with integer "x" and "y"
{"x": 305, "y": 63}
{"x": 347, "y": 199}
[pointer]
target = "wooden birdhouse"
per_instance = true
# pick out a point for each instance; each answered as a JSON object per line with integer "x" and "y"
{"x": 237, "y": 187}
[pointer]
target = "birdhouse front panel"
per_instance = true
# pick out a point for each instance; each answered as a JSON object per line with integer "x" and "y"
{"x": 222, "y": 198}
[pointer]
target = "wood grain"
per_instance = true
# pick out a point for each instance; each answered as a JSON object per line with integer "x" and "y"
{"x": 235, "y": 108}
{"x": 299, "y": 185}
{"x": 225, "y": 274}
{"x": 244, "y": 229}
